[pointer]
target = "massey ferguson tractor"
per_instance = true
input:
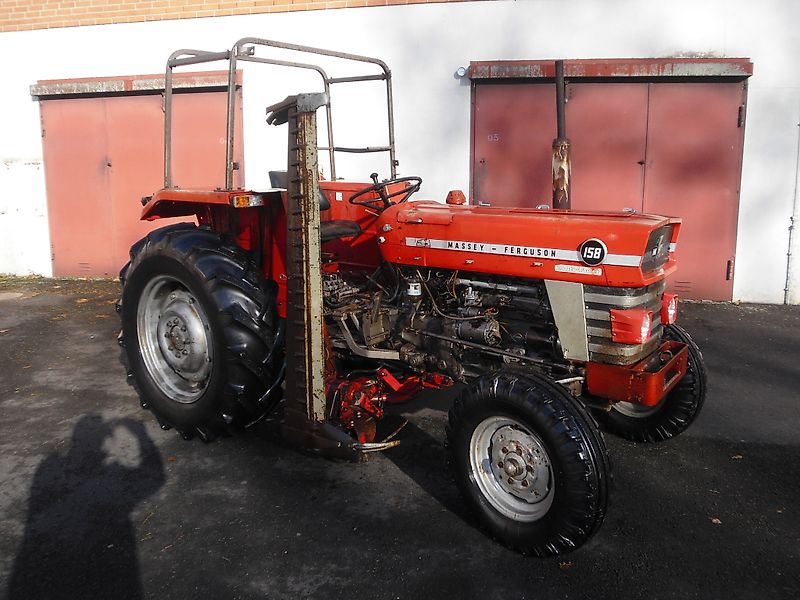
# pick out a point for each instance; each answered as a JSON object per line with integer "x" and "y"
{"x": 320, "y": 302}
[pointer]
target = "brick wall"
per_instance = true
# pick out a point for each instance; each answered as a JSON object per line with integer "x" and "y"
{"x": 23, "y": 15}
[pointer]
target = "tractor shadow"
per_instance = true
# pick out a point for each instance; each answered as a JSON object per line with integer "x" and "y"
{"x": 422, "y": 455}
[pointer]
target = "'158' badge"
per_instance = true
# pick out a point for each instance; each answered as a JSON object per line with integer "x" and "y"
{"x": 592, "y": 252}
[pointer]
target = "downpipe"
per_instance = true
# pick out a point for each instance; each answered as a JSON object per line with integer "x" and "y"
{"x": 787, "y": 288}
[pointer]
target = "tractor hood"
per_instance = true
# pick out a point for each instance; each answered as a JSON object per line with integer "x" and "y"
{"x": 595, "y": 248}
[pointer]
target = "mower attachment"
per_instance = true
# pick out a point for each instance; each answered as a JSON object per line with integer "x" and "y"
{"x": 306, "y": 402}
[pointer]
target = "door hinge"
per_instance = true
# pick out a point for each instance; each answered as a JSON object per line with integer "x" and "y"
{"x": 729, "y": 270}
{"x": 740, "y": 116}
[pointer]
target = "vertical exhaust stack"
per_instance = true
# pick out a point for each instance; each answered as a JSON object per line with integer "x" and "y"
{"x": 562, "y": 163}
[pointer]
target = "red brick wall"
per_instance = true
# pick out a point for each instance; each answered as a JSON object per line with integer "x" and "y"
{"x": 22, "y": 15}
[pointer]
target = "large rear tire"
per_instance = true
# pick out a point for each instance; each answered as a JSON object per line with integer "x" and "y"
{"x": 198, "y": 327}
{"x": 529, "y": 461}
{"x": 676, "y": 411}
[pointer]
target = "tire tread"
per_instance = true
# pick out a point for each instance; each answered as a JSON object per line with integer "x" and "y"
{"x": 243, "y": 303}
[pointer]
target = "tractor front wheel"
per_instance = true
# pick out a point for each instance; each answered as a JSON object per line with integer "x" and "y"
{"x": 529, "y": 461}
{"x": 198, "y": 330}
{"x": 674, "y": 413}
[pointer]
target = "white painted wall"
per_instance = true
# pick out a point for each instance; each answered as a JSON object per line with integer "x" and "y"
{"x": 24, "y": 237}
{"x": 425, "y": 44}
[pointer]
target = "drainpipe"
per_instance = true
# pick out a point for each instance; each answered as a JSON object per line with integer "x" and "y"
{"x": 789, "y": 259}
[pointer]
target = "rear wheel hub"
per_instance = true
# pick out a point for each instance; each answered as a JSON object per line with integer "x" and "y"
{"x": 173, "y": 336}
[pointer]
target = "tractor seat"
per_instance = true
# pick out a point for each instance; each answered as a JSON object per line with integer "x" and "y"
{"x": 333, "y": 230}
{"x": 279, "y": 179}
{"x": 328, "y": 230}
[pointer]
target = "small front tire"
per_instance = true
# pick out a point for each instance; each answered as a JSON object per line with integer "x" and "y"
{"x": 529, "y": 461}
{"x": 674, "y": 413}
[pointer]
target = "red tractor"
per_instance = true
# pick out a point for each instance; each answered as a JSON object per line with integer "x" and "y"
{"x": 322, "y": 301}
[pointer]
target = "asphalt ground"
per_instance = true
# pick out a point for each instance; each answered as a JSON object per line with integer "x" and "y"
{"x": 97, "y": 502}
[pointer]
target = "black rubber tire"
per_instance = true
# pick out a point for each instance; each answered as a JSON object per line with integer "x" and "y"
{"x": 579, "y": 460}
{"x": 675, "y": 412}
{"x": 240, "y": 308}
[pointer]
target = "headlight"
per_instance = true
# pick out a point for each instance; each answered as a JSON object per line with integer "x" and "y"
{"x": 631, "y": 326}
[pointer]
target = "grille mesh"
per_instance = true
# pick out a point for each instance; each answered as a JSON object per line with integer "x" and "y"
{"x": 599, "y": 302}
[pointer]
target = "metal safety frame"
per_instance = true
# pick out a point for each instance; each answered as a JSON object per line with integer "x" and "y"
{"x": 245, "y": 50}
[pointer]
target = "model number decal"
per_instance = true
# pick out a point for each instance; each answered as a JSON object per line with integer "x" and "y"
{"x": 578, "y": 270}
{"x": 621, "y": 260}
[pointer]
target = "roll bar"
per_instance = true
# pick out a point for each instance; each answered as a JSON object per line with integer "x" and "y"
{"x": 245, "y": 50}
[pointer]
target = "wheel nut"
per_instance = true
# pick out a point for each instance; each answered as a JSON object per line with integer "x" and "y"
{"x": 529, "y": 468}
{"x": 504, "y": 450}
{"x": 510, "y": 480}
{"x": 500, "y": 464}
{"x": 525, "y": 483}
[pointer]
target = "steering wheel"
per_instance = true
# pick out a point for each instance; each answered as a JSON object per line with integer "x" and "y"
{"x": 382, "y": 203}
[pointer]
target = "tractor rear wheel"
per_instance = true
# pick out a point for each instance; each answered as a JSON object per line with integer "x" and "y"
{"x": 529, "y": 461}
{"x": 676, "y": 411}
{"x": 198, "y": 327}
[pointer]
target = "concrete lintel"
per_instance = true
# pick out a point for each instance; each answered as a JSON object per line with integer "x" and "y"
{"x": 128, "y": 84}
{"x": 613, "y": 68}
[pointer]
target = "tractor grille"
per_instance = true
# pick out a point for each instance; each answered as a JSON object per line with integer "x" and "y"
{"x": 600, "y": 300}
{"x": 656, "y": 253}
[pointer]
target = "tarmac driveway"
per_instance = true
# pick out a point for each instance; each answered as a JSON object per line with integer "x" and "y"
{"x": 97, "y": 502}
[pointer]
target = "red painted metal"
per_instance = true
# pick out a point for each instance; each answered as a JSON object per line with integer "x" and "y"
{"x": 511, "y": 160}
{"x": 646, "y": 382}
{"x": 456, "y": 197}
{"x": 360, "y": 253}
{"x": 520, "y": 242}
{"x": 694, "y": 159}
{"x": 512, "y": 134}
{"x": 664, "y": 148}
{"x": 410, "y": 385}
{"x": 177, "y": 202}
{"x": 102, "y": 154}
{"x": 357, "y": 404}
{"x": 77, "y": 170}
{"x": 669, "y": 309}
{"x": 631, "y": 326}
{"x": 608, "y": 130}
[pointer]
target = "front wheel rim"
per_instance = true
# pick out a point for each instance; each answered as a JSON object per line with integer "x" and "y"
{"x": 174, "y": 337}
{"x": 637, "y": 411}
{"x": 512, "y": 468}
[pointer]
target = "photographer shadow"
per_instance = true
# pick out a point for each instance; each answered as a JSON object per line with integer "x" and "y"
{"x": 79, "y": 541}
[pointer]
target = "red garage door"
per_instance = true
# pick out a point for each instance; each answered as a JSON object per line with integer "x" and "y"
{"x": 103, "y": 153}
{"x": 666, "y": 145}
